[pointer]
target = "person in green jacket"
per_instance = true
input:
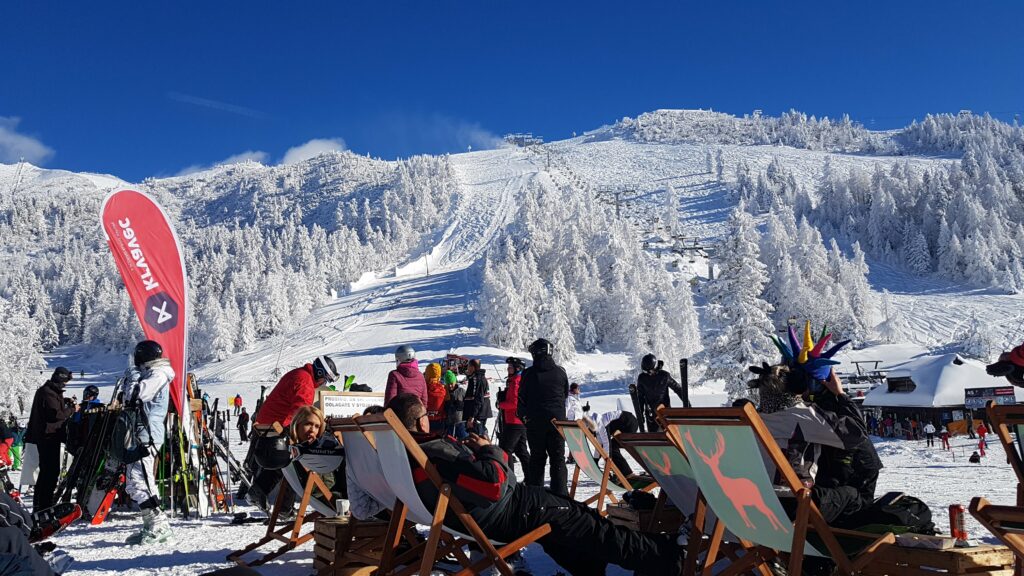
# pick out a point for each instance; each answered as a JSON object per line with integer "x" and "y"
{"x": 16, "y": 447}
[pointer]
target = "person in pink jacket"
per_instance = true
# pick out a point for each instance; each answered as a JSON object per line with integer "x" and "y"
{"x": 406, "y": 378}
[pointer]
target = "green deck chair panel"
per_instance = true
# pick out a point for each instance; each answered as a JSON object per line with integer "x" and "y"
{"x": 728, "y": 466}
{"x": 579, "y": 447}
{"x": 672, "y": 472}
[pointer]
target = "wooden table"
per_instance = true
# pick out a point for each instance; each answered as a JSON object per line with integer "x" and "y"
{"x": 978, "y": 561}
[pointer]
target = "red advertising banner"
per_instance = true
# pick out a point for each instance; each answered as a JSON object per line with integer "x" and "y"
{"x": 149, "y": 259}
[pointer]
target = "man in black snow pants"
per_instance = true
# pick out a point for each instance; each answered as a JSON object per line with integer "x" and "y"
{"x": 581, "y": 541}
{"x": 542, "y": 393}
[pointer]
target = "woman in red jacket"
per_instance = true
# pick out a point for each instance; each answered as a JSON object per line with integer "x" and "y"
{"x": 436, "y": 394}
{"x": 513, "y": 435}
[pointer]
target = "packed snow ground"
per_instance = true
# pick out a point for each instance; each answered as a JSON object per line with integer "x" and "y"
{"x": 434, "y": 313}
{"x": 938, "y": 477}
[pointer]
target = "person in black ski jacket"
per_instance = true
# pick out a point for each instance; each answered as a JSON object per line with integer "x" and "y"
{"x": 543, "y": 389}
{"x": 846, "y": 467}
{"x": 476, "y": 407}
{"x": 46, "y": 430}
{"x": 581, "y": 541}
{"x": 243, "y": 426}
{"x": 652, "y": 386}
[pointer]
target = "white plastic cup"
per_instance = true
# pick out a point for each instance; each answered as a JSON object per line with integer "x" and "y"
{"x": 342, "y": 506}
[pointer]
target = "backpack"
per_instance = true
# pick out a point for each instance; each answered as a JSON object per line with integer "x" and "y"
{"x": 898, "y": 513}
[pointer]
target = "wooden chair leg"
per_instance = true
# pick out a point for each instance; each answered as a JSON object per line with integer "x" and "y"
{"x": 796, "y": 555}
{"x": 394, "y": 536}
{"x": 603, "y": 490}
{"x": 713, "y": 547}
{"x": 575, "y": 481}
{"x": 696, "y": 537}
{"x": 427, "y": 564}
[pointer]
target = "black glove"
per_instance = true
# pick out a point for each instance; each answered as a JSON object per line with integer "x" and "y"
{"x": 586, "y": 407}
{"x": 1000, "y": 369}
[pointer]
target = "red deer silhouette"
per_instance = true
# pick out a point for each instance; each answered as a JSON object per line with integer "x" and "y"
{"x": 742, "y": 492}
{"x": 665, "y": 468}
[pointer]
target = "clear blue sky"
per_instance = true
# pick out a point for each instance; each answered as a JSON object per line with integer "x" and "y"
{"x": 149, "y": 88}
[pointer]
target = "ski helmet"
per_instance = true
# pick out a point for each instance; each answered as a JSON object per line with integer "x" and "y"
{"x": 404, "y": 353}
{"x": 649, "y": 362}
{"x": 147, "y": 351}
{"x": 323, "y": 367}
{"x": 541, "y": 347}
{"x": 90, "y": 391}
{"x": 516, "y": 363}
{"x": 272, "y": 452}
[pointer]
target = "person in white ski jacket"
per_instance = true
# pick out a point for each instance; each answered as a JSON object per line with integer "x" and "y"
{"x": 929, "y": 433}
{"x": 573, "y": 403}
{"x": 147, "y": 386}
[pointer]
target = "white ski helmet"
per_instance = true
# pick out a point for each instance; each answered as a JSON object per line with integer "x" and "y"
{"x": 323, "y": 367}
{"x": 404, "y": 353}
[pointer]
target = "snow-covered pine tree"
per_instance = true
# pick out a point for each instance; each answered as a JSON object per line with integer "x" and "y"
{"x": 20, "y": 360}
{"x": 671, "y": 210}
{"x": 894, "y": 327}
{"x": 735, "y": 308}
{"x": 976, "y": 339}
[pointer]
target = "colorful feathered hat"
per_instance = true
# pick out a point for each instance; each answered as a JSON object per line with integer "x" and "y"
{"x": 808, "y": 356}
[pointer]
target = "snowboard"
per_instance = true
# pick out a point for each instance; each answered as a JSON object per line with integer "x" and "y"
{"x": 103, "y": 496}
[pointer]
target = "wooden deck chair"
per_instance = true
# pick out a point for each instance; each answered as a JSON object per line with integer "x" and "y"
{"x": 291, "y": 535}
{"x": 364, "y": 467}
{"x": 1006, "y": 522}
{"x": 660, "y": 458}
{"x": 579, "y": 439}
{"x": 395, "y": 446}
{"x": 724, "y": 447}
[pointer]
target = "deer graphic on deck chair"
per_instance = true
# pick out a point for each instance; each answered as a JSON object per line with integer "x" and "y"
{"x": 742, "y": 492}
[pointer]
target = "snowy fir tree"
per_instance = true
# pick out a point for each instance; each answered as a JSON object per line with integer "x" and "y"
{"x": 22, "y": 368}
{"x": 735, "y": 308}
{"x": 894, "y": 327}
{"x": 977, "y": 341}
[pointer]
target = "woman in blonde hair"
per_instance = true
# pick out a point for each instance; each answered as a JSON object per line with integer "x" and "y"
{"x": 307, "y": 425}
{"x": 319, "y": 452}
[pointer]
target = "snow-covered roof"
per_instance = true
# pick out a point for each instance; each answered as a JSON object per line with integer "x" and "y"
{"x": 939, "y": 381}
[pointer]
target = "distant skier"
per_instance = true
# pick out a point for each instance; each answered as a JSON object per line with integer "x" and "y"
{"x": 406, "y": 377}
{"x": 929, "y": 434}
{"x": 944, "y": 434}
{"x": 243, "y": 426}
{"x": 238, "y": 404}
{"x": 652, "y": 386}
{"x": 45, "y": 429}
{"x": 146, "y": 390}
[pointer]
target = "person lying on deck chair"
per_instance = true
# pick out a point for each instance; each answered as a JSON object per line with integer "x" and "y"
{"x": 825, "y": 438}
{"x": 479, "y": 474}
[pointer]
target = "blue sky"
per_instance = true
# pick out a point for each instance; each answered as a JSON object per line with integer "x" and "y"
{"x": 140, "y": 89}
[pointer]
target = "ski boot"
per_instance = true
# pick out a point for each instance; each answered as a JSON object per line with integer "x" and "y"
{"x": 155, "y": 529}
{"x": 48, "y": 522}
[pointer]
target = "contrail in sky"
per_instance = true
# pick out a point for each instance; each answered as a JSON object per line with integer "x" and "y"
{"x": 216, "y": 105}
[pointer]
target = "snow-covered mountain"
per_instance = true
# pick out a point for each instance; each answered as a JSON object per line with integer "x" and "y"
{"x": 331, "y": 255}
